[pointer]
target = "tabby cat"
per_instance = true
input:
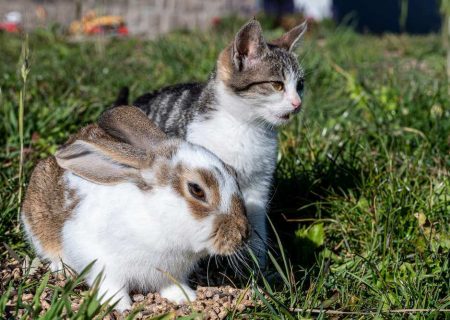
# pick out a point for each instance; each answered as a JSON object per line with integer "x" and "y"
{"x": 255, "y": 87}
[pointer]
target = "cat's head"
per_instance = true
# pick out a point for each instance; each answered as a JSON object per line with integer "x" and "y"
{"x": 264, "y": 79}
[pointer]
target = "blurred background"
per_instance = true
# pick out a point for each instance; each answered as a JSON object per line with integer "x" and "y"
{"x": 150, "y": 18}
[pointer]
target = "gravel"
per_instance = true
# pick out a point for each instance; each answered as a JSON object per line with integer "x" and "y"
{"x": 214, "y": 302}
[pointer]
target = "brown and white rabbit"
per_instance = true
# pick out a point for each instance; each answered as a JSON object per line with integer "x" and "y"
{"x": 141, "y": 205}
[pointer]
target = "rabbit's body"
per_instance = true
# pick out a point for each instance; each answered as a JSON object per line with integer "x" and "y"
{"x": 133, "y": 212}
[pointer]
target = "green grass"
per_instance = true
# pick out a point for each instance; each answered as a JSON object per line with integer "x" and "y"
{"x": 362, "y": 201}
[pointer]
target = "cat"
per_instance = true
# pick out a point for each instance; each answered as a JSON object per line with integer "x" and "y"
{"x": 255, "y": 87}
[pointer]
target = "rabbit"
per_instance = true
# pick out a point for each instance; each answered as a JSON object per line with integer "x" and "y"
{"x": 143, "y": 206}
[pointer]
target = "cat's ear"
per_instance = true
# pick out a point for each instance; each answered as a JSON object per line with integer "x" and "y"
{"x": 248, "y": 45}
{"x": 289, "y": 40}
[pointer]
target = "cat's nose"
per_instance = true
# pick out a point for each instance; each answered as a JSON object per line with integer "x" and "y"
{"x": 296, "y": 103}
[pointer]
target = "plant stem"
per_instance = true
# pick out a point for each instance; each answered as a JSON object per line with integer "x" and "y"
{"x": 24, "y": 70}
{"x": 447, "y": 43}
{"x": 445, "y": 10}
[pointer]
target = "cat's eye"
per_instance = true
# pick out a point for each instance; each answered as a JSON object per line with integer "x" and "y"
{"x": 196, "y": 191}
{"x": 279, "y": 86}
{"x": 300, "y": 86}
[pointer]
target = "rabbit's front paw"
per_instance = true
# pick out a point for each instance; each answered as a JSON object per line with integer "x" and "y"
{"x": 123, "y": 304}
{"x": 114, "y": 294}
{"x": 174, "y": 294}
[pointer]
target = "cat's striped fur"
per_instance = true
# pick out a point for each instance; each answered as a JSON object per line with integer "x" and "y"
{"x": 174, "y": 107}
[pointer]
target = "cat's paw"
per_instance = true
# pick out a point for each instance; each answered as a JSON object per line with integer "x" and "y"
{"x": 174, "y": 294}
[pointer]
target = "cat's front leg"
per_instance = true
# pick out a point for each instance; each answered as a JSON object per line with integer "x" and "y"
{"x": 256, "y": 212}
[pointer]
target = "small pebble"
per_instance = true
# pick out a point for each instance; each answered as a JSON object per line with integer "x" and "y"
{"x": 241, "y": 307}
{"x": 222, "y": 314}
{"x": 27, "y": 297}
{"x": 138, "y": 297}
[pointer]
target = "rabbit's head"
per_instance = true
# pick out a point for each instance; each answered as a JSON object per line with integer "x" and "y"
{"x": 207, "y": 212}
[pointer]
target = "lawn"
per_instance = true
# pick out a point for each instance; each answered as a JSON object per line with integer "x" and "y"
{"x": 361, "y": 203}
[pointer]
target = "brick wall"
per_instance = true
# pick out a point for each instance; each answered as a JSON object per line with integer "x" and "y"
{"x": 146, "y": 17}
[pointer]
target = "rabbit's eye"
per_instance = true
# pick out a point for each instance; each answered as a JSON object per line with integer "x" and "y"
{"x": 278, "y": 86}
{"x": 196, "y": 191}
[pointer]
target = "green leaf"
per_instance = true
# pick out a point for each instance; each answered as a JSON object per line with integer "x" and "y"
{"x": 314, "y": 233}
{"x": 39, "y": 291}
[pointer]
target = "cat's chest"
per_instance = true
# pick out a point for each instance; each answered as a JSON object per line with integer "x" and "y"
{"x": 250, "y": 149}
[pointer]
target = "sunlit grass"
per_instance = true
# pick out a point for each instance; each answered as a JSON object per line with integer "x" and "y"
{"x": 362, "y": 192}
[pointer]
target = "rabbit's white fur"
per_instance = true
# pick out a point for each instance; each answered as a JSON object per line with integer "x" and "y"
{"x": 146, "y": 235}
{"x": 132, "y": 235}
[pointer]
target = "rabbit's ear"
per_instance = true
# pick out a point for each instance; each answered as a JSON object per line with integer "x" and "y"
{"x": 101, "y": 163}
{"x": 131, "y": 125}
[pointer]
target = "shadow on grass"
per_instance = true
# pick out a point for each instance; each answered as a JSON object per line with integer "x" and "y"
{"x": 299, "y": 194}
{"x": 303, "y": 197}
